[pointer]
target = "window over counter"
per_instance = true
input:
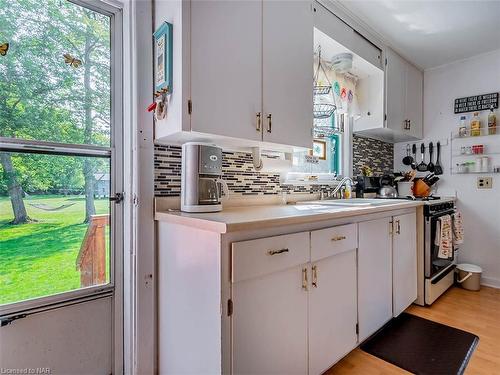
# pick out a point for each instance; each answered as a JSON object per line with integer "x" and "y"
{"x": 329, "y": 157}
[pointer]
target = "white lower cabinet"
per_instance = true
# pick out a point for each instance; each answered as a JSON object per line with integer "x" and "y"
{"x": 374, "y": 275}
{"x": 332, "y": 310}
{"x": 269, "y": 324}
{"x": 404, "y": 258}
{"x": 300, "y": 302}
{"x": 269, "y": 320}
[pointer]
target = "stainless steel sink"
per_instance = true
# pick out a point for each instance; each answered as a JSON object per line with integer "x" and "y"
{"x": 354, "y": 202}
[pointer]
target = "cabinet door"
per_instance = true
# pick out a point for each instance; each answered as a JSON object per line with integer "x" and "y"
{"x": 332, "y": 310}
{"x": 269, "y": 324}
{"x": 395, "y": 91}
{"x": 226, "y": 67}
{"x": 414, "y": 97}
{"x": 374, "y": 276}
{"x": 404, "y": 257}
{"x": 287, "y": 72}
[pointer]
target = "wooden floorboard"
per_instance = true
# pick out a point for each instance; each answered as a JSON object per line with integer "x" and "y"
{"x": 475, "y": 312}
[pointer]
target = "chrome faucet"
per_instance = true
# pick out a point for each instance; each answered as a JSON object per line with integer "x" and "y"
{"x": 338, "y": 187}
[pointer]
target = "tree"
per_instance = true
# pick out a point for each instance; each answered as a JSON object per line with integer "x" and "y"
{"x": 43, "y": 98}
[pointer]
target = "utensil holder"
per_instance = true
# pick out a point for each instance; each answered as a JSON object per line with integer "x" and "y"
{"x": 421, "y": 189}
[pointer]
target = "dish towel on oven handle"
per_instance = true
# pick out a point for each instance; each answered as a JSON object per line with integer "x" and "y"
{"x": 444, "y": 237}
{"x": 458, "y": 228}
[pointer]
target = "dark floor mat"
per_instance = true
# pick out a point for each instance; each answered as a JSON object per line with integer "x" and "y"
{"x": 422, "y": 347}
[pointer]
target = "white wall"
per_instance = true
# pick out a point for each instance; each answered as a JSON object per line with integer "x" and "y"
{"x": 481, "y": 208}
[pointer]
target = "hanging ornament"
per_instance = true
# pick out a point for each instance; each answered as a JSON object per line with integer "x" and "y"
{"x": 336, "y": 88}
{"x": 343, "y": 93}
{"x": 72, "y": 61}
{"x": 350, "y": 96}
{"x": 4, "y": 47}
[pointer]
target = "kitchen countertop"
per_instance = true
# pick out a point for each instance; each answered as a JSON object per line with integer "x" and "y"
{"x": 233, "y": 219}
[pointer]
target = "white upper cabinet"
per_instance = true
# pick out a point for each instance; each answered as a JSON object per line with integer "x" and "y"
{"x": 395, "y": 75}
{"x": 288, "y": 72}
{"x": 414, "y": 101}
{"x": 244, "y": 75}
{"x": 226, "y": 66}
{"x": 404, "y": 258}
{"x": 404, "y": 90}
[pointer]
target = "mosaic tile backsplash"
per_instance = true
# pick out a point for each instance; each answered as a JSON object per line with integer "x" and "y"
{"x": 237, "y": 170}
{"x": 378, "y": 155}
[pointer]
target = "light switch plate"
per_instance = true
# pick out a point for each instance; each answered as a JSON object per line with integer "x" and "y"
{"x": 484, "y": 182}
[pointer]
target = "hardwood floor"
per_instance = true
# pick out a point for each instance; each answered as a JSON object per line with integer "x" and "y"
{"x": 475, "y": 312}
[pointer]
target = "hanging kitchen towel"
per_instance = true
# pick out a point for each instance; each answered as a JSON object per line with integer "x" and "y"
{"x": 458, "y": 229}
{"x": 444, "y": 237}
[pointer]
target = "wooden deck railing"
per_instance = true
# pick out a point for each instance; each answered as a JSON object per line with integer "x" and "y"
{"x": 91, "y": 260}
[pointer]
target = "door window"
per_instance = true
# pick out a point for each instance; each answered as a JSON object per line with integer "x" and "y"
{"x": 57, "y": 154}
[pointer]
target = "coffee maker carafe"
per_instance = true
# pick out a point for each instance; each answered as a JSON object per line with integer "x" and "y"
{"x": 201, "y": 183}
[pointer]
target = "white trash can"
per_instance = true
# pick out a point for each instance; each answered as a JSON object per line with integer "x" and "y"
{"x": 469, "y": 276}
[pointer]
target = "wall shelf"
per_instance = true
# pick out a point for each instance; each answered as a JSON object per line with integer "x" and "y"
{"x": 454, "y": 172}
{"x": 475, "y": 155}
{"x": 484, "y": 132}
{"x": 468, "y": 158}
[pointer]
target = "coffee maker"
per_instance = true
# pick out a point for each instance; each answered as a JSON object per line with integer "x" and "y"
{"x": 201, "y": 183}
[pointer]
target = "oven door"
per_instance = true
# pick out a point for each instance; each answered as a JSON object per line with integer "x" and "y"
{"x": 433, "y": 264}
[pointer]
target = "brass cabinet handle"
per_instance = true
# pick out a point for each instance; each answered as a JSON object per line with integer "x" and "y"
{"x": 274, "y": 252}
{"x": 398, "y": 227}
{"x": 269, "y": 123}
{"x": 339, "y": 238}
{"x": 259, "y": 116}
{"x": 315, "y": 276}
{"x": 304, "y": 279}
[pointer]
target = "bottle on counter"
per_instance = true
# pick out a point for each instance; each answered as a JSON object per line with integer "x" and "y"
{"x": 492, "y": 121}
{"x": 475, "y": 125}
{"x": 462, "y": 130}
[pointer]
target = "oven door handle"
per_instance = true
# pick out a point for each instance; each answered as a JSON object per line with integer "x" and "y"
{"x": 441, "y": 214}
{"x": 444, "y": 274}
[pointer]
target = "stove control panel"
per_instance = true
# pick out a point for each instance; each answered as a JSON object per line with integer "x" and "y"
{"x": 438, "y": 207}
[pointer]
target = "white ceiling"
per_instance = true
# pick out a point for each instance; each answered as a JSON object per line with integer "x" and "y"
{"x": 432, "y": 33}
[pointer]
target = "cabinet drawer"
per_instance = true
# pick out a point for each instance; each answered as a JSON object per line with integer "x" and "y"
{"x": 331, "y": 241}
{"x": 260, "y": 257}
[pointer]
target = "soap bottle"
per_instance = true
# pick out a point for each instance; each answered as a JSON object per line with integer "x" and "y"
{"x": 475, "y": 125}
{"x": 492, "y": 121}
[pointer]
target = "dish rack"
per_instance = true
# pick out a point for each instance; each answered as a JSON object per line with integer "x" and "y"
{"x": 324, "y": 105}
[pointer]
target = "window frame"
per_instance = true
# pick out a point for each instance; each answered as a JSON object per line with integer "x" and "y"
{"x": 114, "y": 152}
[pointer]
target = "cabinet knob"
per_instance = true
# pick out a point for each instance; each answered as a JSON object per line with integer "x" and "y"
{"x": 258, "y": 115}
{"x": 269, "y": 123}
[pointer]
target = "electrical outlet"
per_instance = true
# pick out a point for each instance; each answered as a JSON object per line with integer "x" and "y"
{"x": 484, "y": 182}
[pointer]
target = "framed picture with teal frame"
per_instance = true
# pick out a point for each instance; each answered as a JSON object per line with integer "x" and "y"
{"x": 163, "y": 58}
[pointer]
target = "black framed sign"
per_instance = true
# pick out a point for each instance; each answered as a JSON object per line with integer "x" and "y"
{"x": 476, "y": 103}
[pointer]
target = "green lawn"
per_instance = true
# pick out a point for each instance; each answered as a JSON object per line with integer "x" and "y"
{"x": 38, "y": 259}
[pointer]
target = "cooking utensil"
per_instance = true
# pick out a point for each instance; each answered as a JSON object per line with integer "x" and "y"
{"x": 414, "y": 152}
{"x": 407, "y": 160}
{"x": 438, "y": 170}
{"x": 428, "y": 177}
{"x": 422, "y": 167}
{"x": 387, "y": 192}
{"x": 433, "y": 180}
{"x": 431, "y": 166}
